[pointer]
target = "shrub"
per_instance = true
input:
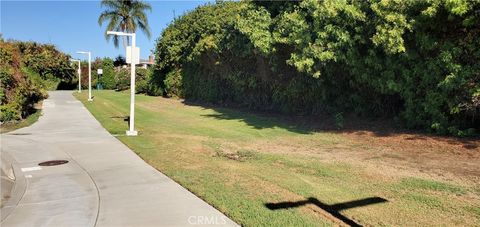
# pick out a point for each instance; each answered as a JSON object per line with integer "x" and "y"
{"x": 28, "y": 70}
{"x": 141, "y": 80}
{"x": 108, "y": 77}
{"x": 173, "y": 83}
{"x": 9, "y": 112}
{"x": 122, "y": 79}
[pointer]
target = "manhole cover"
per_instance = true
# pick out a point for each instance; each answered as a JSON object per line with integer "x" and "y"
{"x": 53, "y": 163}
{"x": 20, "y": 134}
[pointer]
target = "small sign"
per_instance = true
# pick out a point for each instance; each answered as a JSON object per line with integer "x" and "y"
{"x": 136, "y": 55}
{"x": 99, "y": 71}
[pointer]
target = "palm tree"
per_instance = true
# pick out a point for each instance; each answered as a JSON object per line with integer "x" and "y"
{"x": 125, "y": 16}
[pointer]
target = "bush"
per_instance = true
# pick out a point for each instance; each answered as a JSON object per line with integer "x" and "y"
{"x": 173, "y": 83}
{"x": 28, "y": 70}
{"x": 141, "y": 80}
{"x": 108, "y": 78}
{"x": 122, "y": 79}
{"x": 9, "y": 112}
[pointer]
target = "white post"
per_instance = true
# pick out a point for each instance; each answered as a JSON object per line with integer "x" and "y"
{"x": 131, "y": 131}
{"x": 89, "y": 77}
{"x": 89, "y": 74}
{"x": 79, "y": 77}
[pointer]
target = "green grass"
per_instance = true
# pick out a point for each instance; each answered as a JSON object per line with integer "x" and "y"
{"x": 239, "y": 162}
{"x": 429, "y": 185}
{"x": 32, "y": 118}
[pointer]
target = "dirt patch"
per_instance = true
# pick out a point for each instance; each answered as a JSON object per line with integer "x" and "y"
{"x": 439, "y": 155}
{"x": 390, "y": 156}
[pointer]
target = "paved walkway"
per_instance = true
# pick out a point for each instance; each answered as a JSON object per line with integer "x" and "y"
{"x": 104, "y": 183}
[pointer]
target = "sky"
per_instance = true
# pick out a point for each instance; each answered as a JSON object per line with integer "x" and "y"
{"x": 73, "y": 25}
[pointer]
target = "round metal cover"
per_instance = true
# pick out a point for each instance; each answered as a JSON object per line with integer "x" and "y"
{"x": 53, "y": 163}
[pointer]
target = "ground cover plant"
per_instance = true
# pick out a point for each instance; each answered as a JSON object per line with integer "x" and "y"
{"x": 272, "y": 170}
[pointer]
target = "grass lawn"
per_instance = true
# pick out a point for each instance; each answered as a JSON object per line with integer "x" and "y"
{"x": 265, "y": 170}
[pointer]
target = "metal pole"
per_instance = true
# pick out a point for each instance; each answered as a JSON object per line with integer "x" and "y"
{"x": 131, "y": 131}
{"x": 79, "y": 77}
{"x": 89, "y": 77}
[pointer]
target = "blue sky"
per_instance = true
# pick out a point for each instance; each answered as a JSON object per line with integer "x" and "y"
{"x": 73, "y": 26}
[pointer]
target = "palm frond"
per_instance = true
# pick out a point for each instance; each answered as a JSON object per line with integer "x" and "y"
{"x": 105, "y": 15}
{"x": 113, "y": 26}
{"x": 112, "y": 4}
{"x": 145, "y": 28}
{"x": 126, "y": 16}
{"x": 139, "y": 5}
{"x": 115, "y": 41}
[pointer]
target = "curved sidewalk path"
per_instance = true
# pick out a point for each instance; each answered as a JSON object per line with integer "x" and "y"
{"x": 104, "y": 183}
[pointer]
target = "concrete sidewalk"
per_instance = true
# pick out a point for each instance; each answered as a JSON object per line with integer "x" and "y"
{"x": 103, "y": 184}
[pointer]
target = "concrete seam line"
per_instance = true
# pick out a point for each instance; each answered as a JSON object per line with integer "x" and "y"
{"x": 94, "y": 183}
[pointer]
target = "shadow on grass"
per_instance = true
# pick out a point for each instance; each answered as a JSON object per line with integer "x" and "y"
{"x": 264, "y": 119}
{"x": 260, "y": 121}
{"x": 334, "y": 209}
{"x": 326, "y": 123}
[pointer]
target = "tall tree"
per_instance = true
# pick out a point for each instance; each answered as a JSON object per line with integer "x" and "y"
{"x": 125, "y": 16}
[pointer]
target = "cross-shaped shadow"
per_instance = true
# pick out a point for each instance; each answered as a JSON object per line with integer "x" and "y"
{"x": 332, "y": 209}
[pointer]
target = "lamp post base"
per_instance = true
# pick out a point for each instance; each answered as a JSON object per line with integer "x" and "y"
{"x": 90, "y": 99}
{"x": 132, "y": 133}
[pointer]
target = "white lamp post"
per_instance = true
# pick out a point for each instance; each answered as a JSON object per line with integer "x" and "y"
{"x": 79, "y": 71}
{"x": 131, "y": 131}
{"x": 89, "y": 73}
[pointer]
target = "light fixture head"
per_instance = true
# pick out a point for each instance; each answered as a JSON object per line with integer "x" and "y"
{"x": 119, "y": 33}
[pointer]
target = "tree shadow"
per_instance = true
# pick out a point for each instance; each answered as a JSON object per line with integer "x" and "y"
{"x": 383, "y": 127}
{"x": 304, "y": 124}
{"x": 467, "y": 143}
{"x": 333, "y": 209}
{"x": 255, "y": 119}
{"x": 66, "y": 85}
{"x": 470, "y": 145}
